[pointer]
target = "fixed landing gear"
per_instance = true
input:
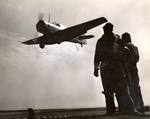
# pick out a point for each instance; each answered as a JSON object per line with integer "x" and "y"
{"x": 42, "y": 46}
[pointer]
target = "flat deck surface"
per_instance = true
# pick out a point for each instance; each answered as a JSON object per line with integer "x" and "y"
{"x": 84, "y": 113}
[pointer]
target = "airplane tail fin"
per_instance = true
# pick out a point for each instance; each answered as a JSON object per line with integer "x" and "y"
{"x": 83, "y": 42}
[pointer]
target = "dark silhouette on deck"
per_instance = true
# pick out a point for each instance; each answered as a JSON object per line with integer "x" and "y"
{"x": 109, "y": 59}
{"x": 81, "y": 113}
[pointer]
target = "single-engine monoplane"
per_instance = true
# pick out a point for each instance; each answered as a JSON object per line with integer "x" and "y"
{"x": 55, "y": 33}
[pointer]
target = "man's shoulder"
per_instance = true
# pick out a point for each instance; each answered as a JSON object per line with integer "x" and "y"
{"x": 100, "y": 39}
{"x": 117, "y": 37}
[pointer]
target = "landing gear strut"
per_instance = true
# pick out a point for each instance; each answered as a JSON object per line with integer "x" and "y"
{"x": 42, "y": 46}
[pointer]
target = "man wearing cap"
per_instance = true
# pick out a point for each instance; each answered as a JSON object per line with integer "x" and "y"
{"x": 108, "y": 60}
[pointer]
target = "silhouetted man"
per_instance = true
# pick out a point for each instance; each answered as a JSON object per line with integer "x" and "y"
{"x": 108, "y": 56}
{"x": 132, "y": 72}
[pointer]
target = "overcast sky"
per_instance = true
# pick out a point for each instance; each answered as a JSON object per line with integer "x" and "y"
{"x": 60, "y": 76}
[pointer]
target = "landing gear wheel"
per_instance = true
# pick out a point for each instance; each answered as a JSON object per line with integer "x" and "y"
{"x": 42, "y": 46}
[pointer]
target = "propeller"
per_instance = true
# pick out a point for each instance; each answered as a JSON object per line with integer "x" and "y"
{"x": 41, "y": 19}
{"x": 49, "y": 20}
{"x": 40, "y": 16}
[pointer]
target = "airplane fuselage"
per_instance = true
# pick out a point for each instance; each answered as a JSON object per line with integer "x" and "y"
{"x": 48, "y": 29}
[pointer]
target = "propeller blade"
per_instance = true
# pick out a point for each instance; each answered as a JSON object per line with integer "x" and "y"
{"x": 49, "y": 18}
{"x": 40, "y": 16}
{"x": 36, "y": 34}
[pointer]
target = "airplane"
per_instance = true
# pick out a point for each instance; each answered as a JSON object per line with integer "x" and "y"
{"x": 55, "y": 33}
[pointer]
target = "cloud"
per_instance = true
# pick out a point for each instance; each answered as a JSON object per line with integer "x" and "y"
{"x": 56, "y": 76}
{"x": 60, "y": 76}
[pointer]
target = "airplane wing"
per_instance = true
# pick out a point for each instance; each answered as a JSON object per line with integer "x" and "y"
{"x": 33, "y": 41}
{"x": 77, "y": 30}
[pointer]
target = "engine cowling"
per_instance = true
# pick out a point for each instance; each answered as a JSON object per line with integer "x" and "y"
{"x": 41, "y": 27}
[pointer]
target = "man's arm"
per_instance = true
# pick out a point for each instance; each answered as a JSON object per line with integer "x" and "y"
{"x": 97, "y": 58}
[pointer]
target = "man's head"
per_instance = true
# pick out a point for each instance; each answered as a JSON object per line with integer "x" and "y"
{"x": 126, "y": 38}
{"x": 108, "y": 28}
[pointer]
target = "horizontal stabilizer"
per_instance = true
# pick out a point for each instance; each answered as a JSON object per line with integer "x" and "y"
{"x": 30, "y": 42}
{"x": 86, "y": 37}
{"x": 33, "y": 41}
